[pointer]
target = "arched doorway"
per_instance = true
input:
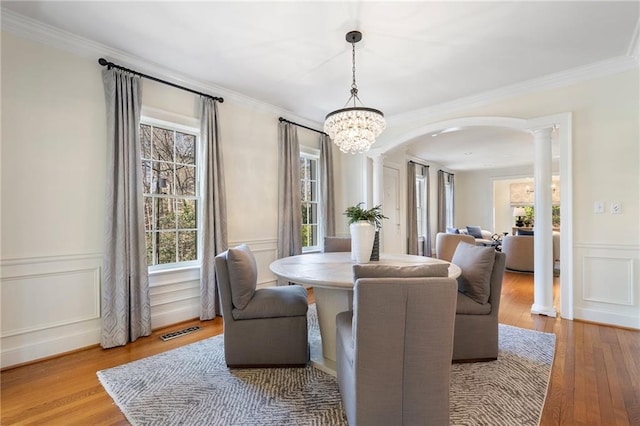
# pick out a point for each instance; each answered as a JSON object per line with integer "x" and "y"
{"x": 543, "y": 130}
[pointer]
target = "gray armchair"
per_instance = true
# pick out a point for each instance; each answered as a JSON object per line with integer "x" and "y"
{"x": 478, "y": 302}
{"x": 396, "y": 371}
{"x": 265, "y": 327}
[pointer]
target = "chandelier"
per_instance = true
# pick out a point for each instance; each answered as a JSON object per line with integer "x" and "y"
{"x": 355, "y": 128}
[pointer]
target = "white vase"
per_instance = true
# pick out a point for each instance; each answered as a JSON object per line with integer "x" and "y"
{"x": 362, "y": 236}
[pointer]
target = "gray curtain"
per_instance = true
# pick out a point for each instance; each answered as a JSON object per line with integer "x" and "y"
{"x": 427, "y": 238}
{"x": 126, "y": 310}
{"x": 442, "y": 203}
{"x": 214, "y": 207}
{"x": 327, "y": 200}
{"x": 289, "y": 204}
{"x": 412, "y": 218}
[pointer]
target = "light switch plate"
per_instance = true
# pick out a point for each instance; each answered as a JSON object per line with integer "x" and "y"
{"x": 616, "y": 207}
{"x": 598, "y": 207}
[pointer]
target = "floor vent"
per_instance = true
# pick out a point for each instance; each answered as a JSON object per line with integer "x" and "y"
{"x": 179, "y": 333}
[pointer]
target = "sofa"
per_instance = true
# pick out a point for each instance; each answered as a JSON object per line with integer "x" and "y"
{"x": 482, "y": 236}
{"x": 519, "y": 250}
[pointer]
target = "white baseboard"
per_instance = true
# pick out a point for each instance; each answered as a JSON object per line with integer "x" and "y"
{"x": 607, "y": 318}
{"x": 47, "y": 348}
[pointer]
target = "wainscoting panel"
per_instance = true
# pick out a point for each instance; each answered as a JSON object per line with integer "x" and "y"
{"x": 608, "y": 284}
{"x": 54, "y": 300}
{"x": 617, "y": 273}
{"x": 49, "y": 305}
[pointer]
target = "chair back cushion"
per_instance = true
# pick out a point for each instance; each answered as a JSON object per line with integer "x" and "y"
{"x": 388, "y": 271}
{"x": 243, "y": 275}
{"x": 334, "y": 244}
{"x": 476, "y": 263}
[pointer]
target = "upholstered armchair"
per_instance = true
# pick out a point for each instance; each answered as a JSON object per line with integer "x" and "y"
{"x": 519, "y": 250}
{"x": 395, "y": 370}
{"x": 333, "y": 244}
{"x": 478, "y": 302}
{"x": 265, "y": 327}
{"x": 446, "y": 244}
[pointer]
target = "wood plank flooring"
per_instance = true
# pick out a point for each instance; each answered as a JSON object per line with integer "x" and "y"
{"x": 595, "y": 378}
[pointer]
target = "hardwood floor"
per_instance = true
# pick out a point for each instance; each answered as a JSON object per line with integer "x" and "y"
{"x": 595, "y": 378}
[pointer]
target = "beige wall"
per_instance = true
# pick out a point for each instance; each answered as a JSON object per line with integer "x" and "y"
{"x": 53, "y": 178}
{"x": 606, "y": 157}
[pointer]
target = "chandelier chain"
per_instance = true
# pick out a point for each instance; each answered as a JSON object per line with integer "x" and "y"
{"x": 354, "y": 86}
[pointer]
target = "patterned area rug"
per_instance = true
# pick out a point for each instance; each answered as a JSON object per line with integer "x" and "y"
{"x": 191, "y": 385}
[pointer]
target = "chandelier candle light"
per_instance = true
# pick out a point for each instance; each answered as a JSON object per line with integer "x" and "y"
{"x": 354, "y": 129}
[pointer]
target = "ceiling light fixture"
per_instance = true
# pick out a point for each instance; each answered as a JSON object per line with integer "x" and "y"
{"x": 354, "y": 129}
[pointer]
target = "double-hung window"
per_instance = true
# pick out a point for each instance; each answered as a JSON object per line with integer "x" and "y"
{"x": 171, "y": 194}
{"x": 309, "y": 186}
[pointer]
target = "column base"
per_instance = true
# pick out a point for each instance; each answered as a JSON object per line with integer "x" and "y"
{"x": 542, "y": 310}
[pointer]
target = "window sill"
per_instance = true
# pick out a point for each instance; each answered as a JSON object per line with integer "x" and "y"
{"x": 161, "y": 277}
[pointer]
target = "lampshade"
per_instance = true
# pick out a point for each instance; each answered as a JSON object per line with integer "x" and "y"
{"x": 354, "y": 129}
{"x": 519, "y": 211}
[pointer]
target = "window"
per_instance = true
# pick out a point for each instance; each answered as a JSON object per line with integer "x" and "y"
{"x": 310, "y": 191}
{"x": 169, "y": 167}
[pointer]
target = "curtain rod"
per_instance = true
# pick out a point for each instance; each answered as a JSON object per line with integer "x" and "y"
{"x": 282, "y": 119}
{"x": 419, "y": 164}
{"x": 444, "y": 171}
{"x": 109, "y": 65}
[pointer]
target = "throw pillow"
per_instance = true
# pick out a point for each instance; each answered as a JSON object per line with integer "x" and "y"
{"x": 475, "y": 231}
{"x": 476, "y": 263}
{"x": 243, "y": 275}
{"x": 388, "y": 271}
{"x": 453, "y": 231}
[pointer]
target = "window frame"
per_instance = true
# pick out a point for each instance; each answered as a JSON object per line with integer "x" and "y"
{"x": 167, "y": 124}
{"x": 313, "y": 155}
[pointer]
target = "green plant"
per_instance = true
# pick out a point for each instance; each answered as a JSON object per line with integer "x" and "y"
{"x": 555, "y": 215}
{"x": 373, "y": 215}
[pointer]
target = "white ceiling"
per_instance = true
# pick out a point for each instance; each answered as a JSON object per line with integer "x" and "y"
{"x": 414, "y": 55}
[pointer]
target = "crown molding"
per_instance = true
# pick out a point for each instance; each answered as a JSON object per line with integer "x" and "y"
{"x": 552, "y": 81}
{"x": 40, "y": 32}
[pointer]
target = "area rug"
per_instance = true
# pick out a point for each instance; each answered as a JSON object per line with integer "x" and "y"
{"x": 191, "y": 385}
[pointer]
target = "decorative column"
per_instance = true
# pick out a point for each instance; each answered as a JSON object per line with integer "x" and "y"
{"x": 543, "y": 229}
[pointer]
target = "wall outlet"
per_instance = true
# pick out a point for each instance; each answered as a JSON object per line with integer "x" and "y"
{"x": 616, "y": 207}
{"x": 598, "y": 207}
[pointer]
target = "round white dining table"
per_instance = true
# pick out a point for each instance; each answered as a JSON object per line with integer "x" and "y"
{"x": 331, "y": 276}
